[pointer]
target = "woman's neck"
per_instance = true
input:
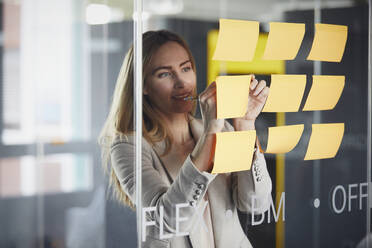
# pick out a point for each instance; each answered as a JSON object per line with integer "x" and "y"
{"x": 178, "y": 127}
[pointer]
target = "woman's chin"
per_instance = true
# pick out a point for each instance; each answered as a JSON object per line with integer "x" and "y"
{"x": 183, "y": 109}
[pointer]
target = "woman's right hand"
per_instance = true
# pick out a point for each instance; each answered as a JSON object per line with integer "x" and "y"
{"x": 208, "y": 108}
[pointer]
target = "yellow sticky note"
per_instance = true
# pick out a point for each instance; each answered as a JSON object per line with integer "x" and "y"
{"x": 329, "y": 42}
{"x": 237, "y": 40}
{"x": 325, "y": 140}
{"x": 284, "y": 40}
{"x": 284, "y": 138}
{"x": 324, "y": 93}
{"x": 286, "y": 92}
{"x": 232, "y": 96}
{"x": 234, "y": 151}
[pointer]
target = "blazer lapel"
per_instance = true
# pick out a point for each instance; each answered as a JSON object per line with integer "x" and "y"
{"x": 159, "y": 148}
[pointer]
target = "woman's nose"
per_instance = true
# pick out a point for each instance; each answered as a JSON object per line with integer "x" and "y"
{"x": 179, "y": 81}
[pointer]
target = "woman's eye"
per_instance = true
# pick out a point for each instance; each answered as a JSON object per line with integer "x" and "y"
{"x": 186, "y": 69}
{"x": 163, "y": 74}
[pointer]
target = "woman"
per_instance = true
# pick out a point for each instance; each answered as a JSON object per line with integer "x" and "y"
{"x": 185, "y": 205}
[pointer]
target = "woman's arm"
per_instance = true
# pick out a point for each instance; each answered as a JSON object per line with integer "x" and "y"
{"x": 155, "y": 192}
{"x": 252, "y": 189}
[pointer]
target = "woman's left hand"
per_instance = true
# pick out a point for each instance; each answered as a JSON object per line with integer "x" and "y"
{"x": 258, "y": 93}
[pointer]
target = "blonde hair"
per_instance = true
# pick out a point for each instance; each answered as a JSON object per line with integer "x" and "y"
{"x": 120, "y": 120}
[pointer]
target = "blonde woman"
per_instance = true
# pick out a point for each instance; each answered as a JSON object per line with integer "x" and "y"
{"x": 185, "y": 205}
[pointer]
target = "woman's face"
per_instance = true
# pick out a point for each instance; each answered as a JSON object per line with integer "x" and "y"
{"x": 171, "y": 79}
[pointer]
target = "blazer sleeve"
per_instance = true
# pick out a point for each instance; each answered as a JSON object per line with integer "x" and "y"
{"x": 251, "y": 189}
{"x": 188, "y": 188}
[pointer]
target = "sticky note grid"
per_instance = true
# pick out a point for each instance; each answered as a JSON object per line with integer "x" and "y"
{"x": 237, "y": 41}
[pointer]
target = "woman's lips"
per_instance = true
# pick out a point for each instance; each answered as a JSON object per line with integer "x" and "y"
{"x": 181, "y": 96}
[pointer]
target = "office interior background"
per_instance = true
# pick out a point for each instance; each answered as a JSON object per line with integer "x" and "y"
{"x": 59, "y": 63}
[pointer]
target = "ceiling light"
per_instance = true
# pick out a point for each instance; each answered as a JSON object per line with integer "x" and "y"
{"x": 163, "y": 7}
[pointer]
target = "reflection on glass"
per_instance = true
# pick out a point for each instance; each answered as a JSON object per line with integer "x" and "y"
{"x": 61, "y": 173}
{"x": 45, "y": 91}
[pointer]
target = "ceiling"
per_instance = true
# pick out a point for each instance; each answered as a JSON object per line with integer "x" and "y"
{"x": 260, "y": 10}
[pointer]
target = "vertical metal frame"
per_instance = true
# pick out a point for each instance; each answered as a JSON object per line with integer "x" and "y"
{"x": 137, "y": 43}
{"x": 317, "y": 118}
{"x": 369, "y": 116}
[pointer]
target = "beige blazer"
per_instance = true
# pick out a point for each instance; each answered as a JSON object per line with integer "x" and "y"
{"x": 226, "y": 193}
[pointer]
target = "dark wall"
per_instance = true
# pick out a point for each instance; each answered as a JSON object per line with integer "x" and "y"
{"x": 307, "y": 226}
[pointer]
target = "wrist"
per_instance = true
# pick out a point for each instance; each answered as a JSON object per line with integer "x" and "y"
{"x": 242, "y": 124}
{"x": 211, "y": 130}
{"x": 202, "y": 154}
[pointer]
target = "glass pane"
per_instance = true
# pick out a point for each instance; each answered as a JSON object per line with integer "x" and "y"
{"x": 78, "y": 72}
{"x": 60, "y": 174}
{"x": 56, "y": 78}
{"x": 46, "y": 82}
{"x": 311, "y": 201}
{"x": 111, "y": 32}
